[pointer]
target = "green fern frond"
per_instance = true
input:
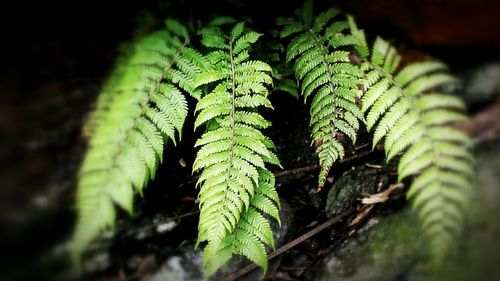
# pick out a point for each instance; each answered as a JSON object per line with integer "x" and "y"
{"x": 140, "y": 108}
{"x": 407, "y": 110}
{"x": 236, "y": 188}
{"x": 320, "y": 51}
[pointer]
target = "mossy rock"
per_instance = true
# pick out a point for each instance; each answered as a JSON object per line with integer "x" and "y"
{"x": 353, "y": 185}
{"x": 386, "y": 248}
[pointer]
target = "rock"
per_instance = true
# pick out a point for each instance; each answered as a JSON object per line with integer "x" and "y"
{"x": 97, "y": 263}
{"x": 282, "y": 233}
{"x": 478, "y": 257}
{"x": 384, "y": 249}
{"x": 481, "y": 84}
{"x": 351, "y": 186}
{"x": 185, "y": 266}
{"x": 391, "y": 247}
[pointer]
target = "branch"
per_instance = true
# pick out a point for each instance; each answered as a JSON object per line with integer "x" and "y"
{"x": 310, "y": 168}
{"x": 383, "y": 196}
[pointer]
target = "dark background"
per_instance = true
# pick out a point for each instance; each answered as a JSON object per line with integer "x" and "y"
{"x": 55, "y": 57}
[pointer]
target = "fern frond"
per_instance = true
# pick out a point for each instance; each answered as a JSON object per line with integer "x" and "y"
{"x": 236, "y": 188}
{"x": 320, "y": 50}
{"x": 140, "y": 109}
{"x": 406, "y": 109}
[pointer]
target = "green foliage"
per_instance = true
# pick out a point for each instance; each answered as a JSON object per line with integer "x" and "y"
{"x": 345, "y": 83}
{"x": 320, "y": 51}
{"x": 271, "y": 51}
{"x": 236, "y": 187}
{"x": 409, "y": 112}
{"x": 140, "y": 108}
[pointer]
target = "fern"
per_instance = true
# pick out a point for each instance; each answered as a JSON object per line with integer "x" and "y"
{"x": 407, "y": 110}
{"x": 140, "y": 108}
{"x": 236, "y": 187}
{"x": 322, "y": 64}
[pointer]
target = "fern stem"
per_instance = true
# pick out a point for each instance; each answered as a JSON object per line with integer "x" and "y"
{"x": 233, "y": 112}
{"x": 233, "y": 94}
{"x": 324, "y": 61}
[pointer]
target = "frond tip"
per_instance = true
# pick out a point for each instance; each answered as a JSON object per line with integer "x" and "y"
{"x": 236, "y": 187}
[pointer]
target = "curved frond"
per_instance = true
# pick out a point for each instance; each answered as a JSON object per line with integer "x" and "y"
{"x": 407, "y": 110}
{"x": 140, "y": 109}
